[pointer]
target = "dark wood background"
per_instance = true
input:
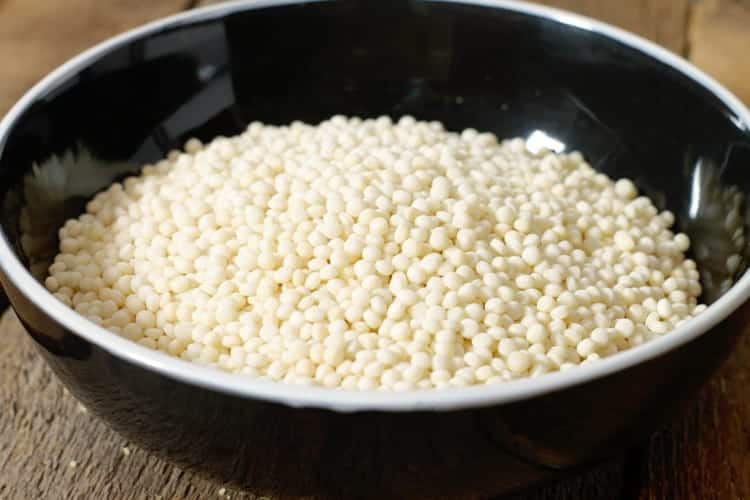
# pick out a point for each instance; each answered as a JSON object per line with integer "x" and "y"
{"x": 51, "y": 448}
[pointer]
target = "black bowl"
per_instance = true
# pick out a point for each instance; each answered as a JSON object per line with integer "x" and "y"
{"x": 514, "y": 69}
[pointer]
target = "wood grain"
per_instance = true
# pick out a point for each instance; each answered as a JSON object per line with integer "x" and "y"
{"x": 661, "y": 21}
{"x": 704, "y": 456}
{"x": 37, "y": 35}
{"x": 43, "y": 429}
{"x": 719, "y": 40}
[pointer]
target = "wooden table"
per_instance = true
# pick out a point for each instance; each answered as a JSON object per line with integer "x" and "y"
{"x": 51, "y": 448}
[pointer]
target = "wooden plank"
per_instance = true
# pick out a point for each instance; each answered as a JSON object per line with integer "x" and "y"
{"x": 706, "y": 455}
{"x": 42, "y": 429}
{"x": 719, "y": 40}
{"x": 37, "y": 35}
{"x": 661, "y": 21}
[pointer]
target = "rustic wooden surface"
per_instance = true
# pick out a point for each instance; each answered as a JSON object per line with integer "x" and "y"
{"x": 51, "y": 448}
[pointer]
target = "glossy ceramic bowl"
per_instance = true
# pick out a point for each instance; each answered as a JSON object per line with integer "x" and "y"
{"x": 515, "y": 69}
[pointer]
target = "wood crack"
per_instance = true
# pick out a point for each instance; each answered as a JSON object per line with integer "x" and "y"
{"x": 688, "y": 22}
{"x": 191, "y": 4}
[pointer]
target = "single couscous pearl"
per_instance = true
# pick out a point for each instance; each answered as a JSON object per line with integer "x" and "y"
{"x": 372, "y": 255}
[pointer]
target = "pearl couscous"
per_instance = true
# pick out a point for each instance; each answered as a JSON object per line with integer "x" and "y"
{"x": 367, "y": 254}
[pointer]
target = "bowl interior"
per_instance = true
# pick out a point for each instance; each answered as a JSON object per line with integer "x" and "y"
{"x": 494, "y": 69}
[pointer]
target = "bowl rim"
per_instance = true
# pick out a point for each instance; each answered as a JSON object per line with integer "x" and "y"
{"x": 353, "y": 401}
